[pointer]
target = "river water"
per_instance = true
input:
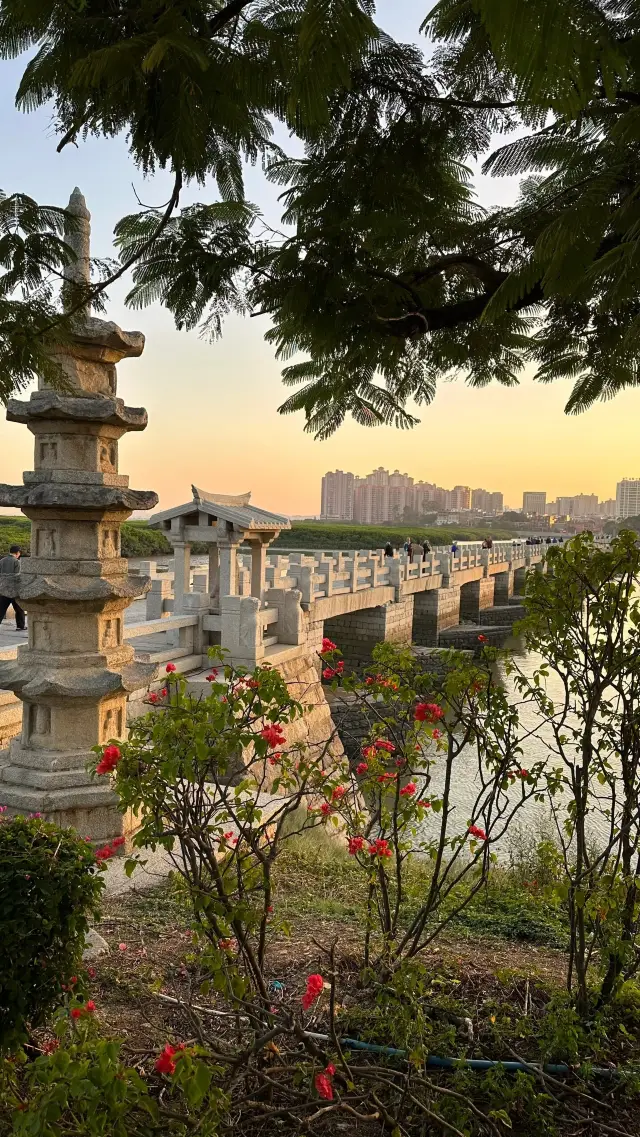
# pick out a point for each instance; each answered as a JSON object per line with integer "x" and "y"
{"x": 534, "y": 821}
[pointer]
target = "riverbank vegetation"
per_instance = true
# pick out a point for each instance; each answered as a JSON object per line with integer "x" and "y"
{"x": 341, "y": 943}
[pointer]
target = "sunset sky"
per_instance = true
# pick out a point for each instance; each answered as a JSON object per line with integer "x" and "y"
{"x": 213, "y": 408}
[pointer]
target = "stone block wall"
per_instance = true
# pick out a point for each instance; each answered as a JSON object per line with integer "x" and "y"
{"x": 503, "y": 615}
{"x": 357, "y": 633}
{"x": 503, "y": 587}
{"x": 466, "y": 639}
{"x": 475, "y": 596}
{"x": 433, "y": 612}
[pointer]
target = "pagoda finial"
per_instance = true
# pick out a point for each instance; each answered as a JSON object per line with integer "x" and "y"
{"x": 77, "y": 234}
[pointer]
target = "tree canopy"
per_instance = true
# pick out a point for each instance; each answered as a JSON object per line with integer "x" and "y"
{"x": 387, "y": 275}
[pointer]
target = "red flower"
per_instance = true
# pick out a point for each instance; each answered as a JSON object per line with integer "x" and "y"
{"x": 111, "y": 755}
{"x": 165, "y": 1064}
{"x": 384, "y": 778}
{"x": 325, "y": 809}
{"x": 170, "y": 667}
{"x": 482, "y": 639}
{"x": 408, "y": 790}
{"x": 337, "y": 793}
{"x": 76, "y": 1013}
{"x": 49, "y": 1047}
{"x": 475, "y": 831}
{"x": 73, "y": 980}
{"x": 399, "y": 762}
{"x": 90, "y": 1006}
{"x": 328, "y": 645}
{"x": 227, "y": 945}
{"x": 91, "y": 972}
{"x": 330, "y": 1070}
{"x": 329, "y": 673}
{"x": 428, "y": 712}
{"x": 368, "y": 751}
{"x": 380, "y": 848}
{"x": 272, "y": 734}
{"x": 362, "y": 768}
{"x": 164, "y": 693}
{"x": 153, "y": 698}
{"x": 315, "y": 985}
{"x": 323, "y": 1086}
{"x": 424, "y": 804}
{"x": 436, "y": 734}
{"x": 104, "y": 853}
{"x": 356, "y": 845}
{"x": 523, "y": 773}
{"x": 212, "y": 676}
{"x": 384, "y": 744}
{"x": 117, "y": 842}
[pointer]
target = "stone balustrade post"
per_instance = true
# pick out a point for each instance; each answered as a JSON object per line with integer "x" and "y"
{"x": 157, "y": 596}
{"x": 290, "y": 628}
{"x": 326, "y": 568}
{"x": 193, "y": 638}
{"x": 241, "y": 629}
{"x": 305, "y": 584}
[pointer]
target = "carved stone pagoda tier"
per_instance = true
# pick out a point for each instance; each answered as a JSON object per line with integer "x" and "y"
{"x": 76, "y": 671}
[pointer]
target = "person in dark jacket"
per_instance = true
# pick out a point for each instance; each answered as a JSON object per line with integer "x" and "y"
{"x": 389, "y": 550}
{"x": 10, "y": 566}
{"x": 426, "y": 548}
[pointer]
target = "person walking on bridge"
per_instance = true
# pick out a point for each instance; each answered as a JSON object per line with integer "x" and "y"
{"x": 10, "y": 566}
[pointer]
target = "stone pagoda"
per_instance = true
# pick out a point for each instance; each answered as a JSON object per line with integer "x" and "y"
{"x": 76, "y": 671}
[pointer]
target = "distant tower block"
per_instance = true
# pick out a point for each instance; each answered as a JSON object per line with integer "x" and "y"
{"x": 76, "y": 671}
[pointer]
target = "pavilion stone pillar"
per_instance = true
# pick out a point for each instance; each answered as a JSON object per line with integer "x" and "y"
{"x": 214, "y": 576}
{"x": 76, "y": 671}
{"x": 182, "y": 574}
{"x": 228, "y": 544}
{"x": 259, "y": 546}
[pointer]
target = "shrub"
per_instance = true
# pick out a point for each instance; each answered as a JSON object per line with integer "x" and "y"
{"x": 49, "y": 886}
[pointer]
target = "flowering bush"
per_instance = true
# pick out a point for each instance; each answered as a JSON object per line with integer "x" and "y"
{"x": 401, "y": 804}
{"x": 80, "y": 1086}
{"x": 49, "y": 888}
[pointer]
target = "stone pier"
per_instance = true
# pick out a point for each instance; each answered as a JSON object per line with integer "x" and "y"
{"x": 357, "y": 633}
{"x": 519, "y": 581}
{"x": 434, "y": 611}
{"x": 76, "y": 671}
{"x": 504, "y": 587}
{"x": 475, "y": 596}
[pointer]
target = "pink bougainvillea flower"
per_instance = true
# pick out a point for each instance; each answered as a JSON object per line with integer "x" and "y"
{"x": 408, "y": 790}
{"x": 117, "y": 842}
{"x": 122, "y": 947}
{"x": 91, "y": 972}
{"x": 384, "y": 744}
{"x": 356, "y": 845}
{"x": 380, "y": 848}
{"x": 338, "y": 792}
{"x": 315, "y": 985}
{"x": 475, "y": 831}
{"x": 111, "y": 755}
{"x": 329, "y": 673}
{"x": 76, "y": 1013}
{"x": 436, "y": 734}
{"x": 170, "y": 667}
{"x": 153, "y": 698}
{"x": 424, "y": 804}
{"x": 362, "y": 768}
{"x": 428, "y": 712}
{"x": 323, "y": 1086}
{"x": 482, "y": 639}
{"x": 164, "y": 692}
{"x": 388, "y": 777}
{"x": 273, "y": 735}
{"x": 325, "y": 809}
{"x": 523, "y": 773}
{"x": 368, "y": 751}
{"x": 165, "y": 1063}
{"x": 211, "y": 677}
{"x": 104, "y": 853}
{"x": 90, "y": 1006}
{"x": 328, "y": 645}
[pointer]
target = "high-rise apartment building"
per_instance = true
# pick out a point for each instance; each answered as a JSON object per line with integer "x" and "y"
{"x": 459, "y": 498}
{"x": 337, "y": 496}
{"x": 585, "y": 505}
{"x": 607, "y": 509}
{"x": 534, "y": 502}
{"x": 486, "y": 502}
{"x": 628, "y": 497}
